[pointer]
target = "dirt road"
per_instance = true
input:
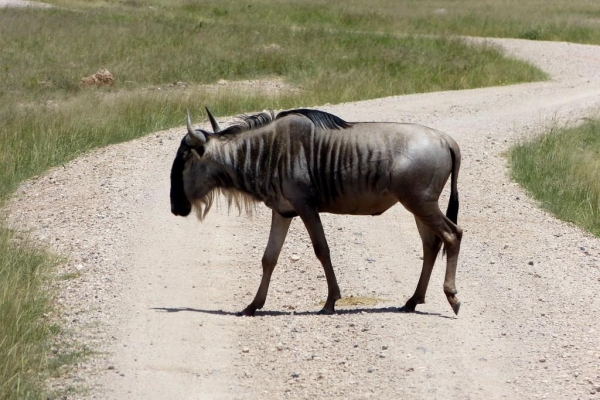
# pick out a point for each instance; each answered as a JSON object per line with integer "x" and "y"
{"x": 158, "y": 293}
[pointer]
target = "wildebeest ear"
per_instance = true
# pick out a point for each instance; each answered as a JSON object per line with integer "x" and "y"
{"x": 194, "y": 137}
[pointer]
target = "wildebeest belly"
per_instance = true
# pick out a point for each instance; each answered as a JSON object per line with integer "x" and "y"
{"x": 359, "y": 204}
{"x": 369, "y": 204}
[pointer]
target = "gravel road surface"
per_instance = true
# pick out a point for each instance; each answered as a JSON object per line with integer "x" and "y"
{"x": 155, "y": 295}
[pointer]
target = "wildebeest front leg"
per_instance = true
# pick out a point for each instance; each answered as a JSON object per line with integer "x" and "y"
{"x": 313, "y": 224}
{"x": 279, "y": 229}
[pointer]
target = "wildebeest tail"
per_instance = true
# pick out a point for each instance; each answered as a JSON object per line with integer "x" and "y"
{"x": 452, "y": 211}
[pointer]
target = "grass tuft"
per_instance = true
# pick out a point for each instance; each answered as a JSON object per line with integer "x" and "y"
{"x": 561, "y": 169}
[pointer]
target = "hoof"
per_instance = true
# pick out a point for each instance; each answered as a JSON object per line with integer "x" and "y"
{"x": 325, "y": 311}
{"x": 454, "y": 302}
{"x": 456, "y": 307}
{"x": 246, "y": 312}
{"x": 409, "y": 306}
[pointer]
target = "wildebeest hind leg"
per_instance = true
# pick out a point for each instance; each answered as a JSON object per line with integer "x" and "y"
{"x": 431, "y": 248}
{"x": 313, "y": 225}
{"x": 452, "y": 246}
{"x": 279, "y": 229}
{"x": 450, "y": 234}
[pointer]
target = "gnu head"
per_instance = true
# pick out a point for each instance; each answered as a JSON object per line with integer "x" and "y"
{"x": 189, "y": 154}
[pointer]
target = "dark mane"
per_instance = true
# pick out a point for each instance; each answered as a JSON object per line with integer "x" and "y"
{"x": 249, "y": 122}
{"x": 319, "y": 118}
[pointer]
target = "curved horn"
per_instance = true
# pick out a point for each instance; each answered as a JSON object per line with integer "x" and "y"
{"x": 194, "y": 136}
{"x": 213, "y": 121}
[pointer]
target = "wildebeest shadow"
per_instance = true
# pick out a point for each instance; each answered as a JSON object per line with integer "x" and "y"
{"x": 394, "y": 310}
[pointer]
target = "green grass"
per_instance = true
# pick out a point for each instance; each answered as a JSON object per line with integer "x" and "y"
{"x": 24, "y": 330}
{"x": 573, "y": 21}
{"x": 333, "y": 51}
{"x": 561, "y": 169}
{"x": 48, "y": 118}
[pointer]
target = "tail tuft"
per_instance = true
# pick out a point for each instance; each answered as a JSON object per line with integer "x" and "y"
{"x": 452, "y": 211}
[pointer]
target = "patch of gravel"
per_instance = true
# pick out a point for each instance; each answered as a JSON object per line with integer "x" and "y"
{"x": 155, "y": 295}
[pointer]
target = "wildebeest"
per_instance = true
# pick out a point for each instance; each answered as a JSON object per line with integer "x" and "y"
{"x": 303, "y": 162}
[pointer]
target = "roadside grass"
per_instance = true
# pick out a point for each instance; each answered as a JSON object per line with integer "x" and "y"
{"x": 25, "y": 300}
{"x": 333, "y": 51}
{"x": 556, "y": 20}
{"x": 561, "y": 169}
{"x": 573, "y": 21}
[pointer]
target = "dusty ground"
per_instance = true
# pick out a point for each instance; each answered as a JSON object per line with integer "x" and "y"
{"x": 155, "y": 294}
